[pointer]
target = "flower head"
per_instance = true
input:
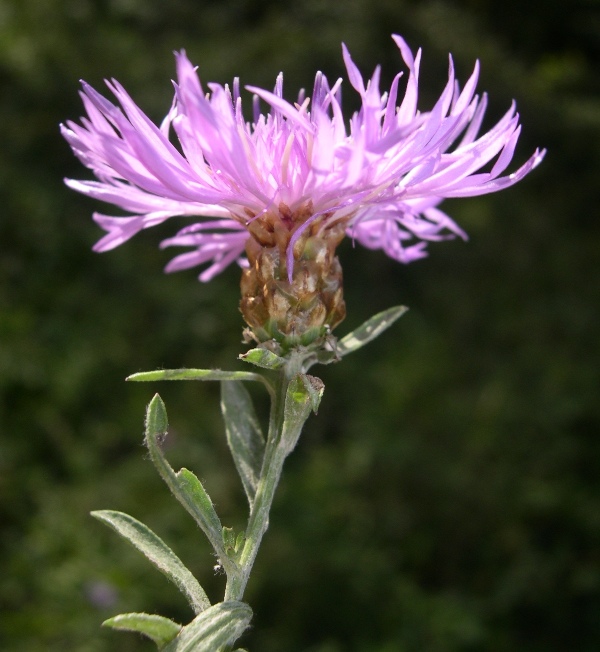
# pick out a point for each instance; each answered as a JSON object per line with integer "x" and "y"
{"x": 296, "y": 173}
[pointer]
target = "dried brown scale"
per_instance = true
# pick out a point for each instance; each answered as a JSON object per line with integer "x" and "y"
{"x": 312, "y": 304}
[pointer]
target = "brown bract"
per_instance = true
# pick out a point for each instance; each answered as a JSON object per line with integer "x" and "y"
{"x": 312, "y": 304}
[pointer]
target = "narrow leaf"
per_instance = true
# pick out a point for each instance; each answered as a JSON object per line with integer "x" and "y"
{"x": 198, "y": 374}
{"x": 161, "y": 630}
{"x": 244, "y": 435}
{"x": 198, "y": 500}
{"x": 297, "y": 407}
{"x": 216, "y": 627}
{"x": 185, "y": 485}
{"x": 262, "y": 358}
{"x": 157, "y": 551}
{"x": 368, "y": 331}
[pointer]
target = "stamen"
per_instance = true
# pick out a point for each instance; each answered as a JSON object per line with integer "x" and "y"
{"x": 285, "y": 159}
{"x": 250, "y": 157}
{"x": 302, "y": 107}
{"x": 310, "y": 141}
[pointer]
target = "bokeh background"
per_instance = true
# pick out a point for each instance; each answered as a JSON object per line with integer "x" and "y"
{"x": 446, "y": 498}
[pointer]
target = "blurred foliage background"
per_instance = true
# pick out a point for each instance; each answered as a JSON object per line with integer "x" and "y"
{"x": 446, "y": 498}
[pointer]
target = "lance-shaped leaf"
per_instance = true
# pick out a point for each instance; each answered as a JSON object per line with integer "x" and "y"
{"x": 216, "y": 627}
{"x": 244, "y": 434}
{"x": 157, "y": 551}
{"x": 263, "y": 358}
{"x": 184, "y": 484}
{"x": 368, "y": 331}
{"x": 161, "y": 630}
{"x": 198, "y": 374}
{"x": 299, "y": 402}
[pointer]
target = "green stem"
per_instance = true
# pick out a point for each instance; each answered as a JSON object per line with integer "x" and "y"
{"x": 258, "y": 522}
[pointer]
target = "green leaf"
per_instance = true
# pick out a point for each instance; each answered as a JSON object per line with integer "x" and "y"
{"x": 299, "y": 402}
{"x": 157, "y": 551}
{"x": 262, "y": 358}
{"x": 161, "y": 630}
{"x": 239, "y": 541}
{"x": 216, "y": 627}
{"x": 198, "y": 501}
{"x": 198, "y": 374}
{"x": 184, "y": 484}
{"x": 229, "y": 538}
{"x": 157, "y": 421}
{"x": 315, "y": 388}
{"x": 368, "y": 331}
{"x": 244, "y": 435}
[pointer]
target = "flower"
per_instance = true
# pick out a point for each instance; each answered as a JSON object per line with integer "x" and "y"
{"x": 381, "y": 177}
{"x": 286, "y": 188}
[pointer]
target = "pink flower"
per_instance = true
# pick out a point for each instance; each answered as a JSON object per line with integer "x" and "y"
{"x": 383, "y": 174}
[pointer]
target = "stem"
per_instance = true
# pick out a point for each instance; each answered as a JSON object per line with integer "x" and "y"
{"x": 258, "y": 521}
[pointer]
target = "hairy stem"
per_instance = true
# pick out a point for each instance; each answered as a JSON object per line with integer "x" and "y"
{"x": 275, "y": 453}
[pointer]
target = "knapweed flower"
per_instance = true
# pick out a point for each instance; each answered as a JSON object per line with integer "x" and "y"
{"x": 278, "y": 194}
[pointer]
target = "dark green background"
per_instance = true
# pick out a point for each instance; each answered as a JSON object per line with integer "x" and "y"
{"x": 446, "y": 498}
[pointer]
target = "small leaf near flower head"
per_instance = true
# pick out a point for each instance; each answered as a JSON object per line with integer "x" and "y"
{"x": 263, "y": 358}
{"x": 368, "y": 331}
{"x": 161, "y": 630}
{"x": 315, "y": 388}
{"x": 299, "y": 401}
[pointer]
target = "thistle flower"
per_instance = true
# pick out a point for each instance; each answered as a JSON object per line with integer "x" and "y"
{"x": 285, "y": 188}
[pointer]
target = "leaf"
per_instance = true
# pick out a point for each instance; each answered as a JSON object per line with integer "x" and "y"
{"x": 161, "y": 630}
{"x": 297, "y": 407}
{"x": 198, "y": 374}
{"x": 184, "y": 484}
{"x": 229, "y": 538}
{"x": 368, "y": 331}
{"x": 263, "y": 358}
{"x": 200, "y": 505}
{"x": 157, "y": 551}
{"x": 157, "y": 421}
{"x": 216, "y": 627}
{"x": 315, "y": 388}
{"x": 244, "y": 435}
{"x": 239, "y": 541}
